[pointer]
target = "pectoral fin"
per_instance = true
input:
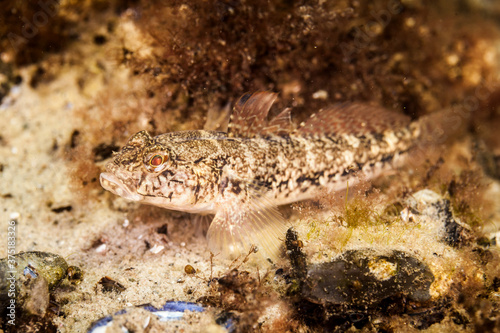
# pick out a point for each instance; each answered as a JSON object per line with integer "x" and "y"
{"x": 244, "y": 218}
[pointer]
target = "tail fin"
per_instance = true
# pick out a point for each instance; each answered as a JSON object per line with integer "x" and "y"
{"x": 432, "y": 132}
{"x": 440, "y": 127}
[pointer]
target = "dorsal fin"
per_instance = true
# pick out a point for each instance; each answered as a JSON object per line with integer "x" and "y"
{"x": 249, "y": 116}
{"x": 218, "y": 118}
{"x": 281, "y": 124}
{"x": 353, "y": 118}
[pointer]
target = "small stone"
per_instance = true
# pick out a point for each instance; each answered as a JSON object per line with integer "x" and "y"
{"x": 75, "y": 275}
{"x": 156, "y": 249}
{"x": 14, "y": 215}
{"x": 407, "y": 215}
{"x": 452, "y": 59}
{"x": 101, "y": 248}
{"x": 189, "y": 269}
{"x": 320, "y": 94}
{"x": 483, "y": 241}
{"x": 146, "y": 322}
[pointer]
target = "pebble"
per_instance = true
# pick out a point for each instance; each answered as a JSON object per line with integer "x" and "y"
{"x": 14, "y": 215}
{"x": 101, "y": 248}
{"x": 156, "y": 249}
{"x": 188, "y": 269}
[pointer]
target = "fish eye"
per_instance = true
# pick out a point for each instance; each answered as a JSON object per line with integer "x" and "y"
{"x": 156, "y": 161}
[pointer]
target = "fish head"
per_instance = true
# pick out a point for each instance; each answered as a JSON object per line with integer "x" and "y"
{"x": 149, "y": 171}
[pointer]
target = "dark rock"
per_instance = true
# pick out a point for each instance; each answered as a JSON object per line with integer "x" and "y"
{"x": 295, "y": 254}
{"x": 455, "y": 234}
{"x": 363, "y": 278}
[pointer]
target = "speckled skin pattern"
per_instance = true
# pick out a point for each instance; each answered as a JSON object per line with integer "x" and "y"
{"x": 289, "y": 168}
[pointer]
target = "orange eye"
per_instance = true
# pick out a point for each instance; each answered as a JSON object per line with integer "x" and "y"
{"x": 156, "y": 160}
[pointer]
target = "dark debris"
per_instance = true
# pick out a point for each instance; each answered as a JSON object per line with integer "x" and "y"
{"x": 108, "y": 285}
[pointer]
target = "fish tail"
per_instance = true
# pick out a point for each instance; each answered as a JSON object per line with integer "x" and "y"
{"x": 441, "y": 127}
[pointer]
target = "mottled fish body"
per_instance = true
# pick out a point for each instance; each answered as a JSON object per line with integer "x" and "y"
{"x": 242, "y": 175}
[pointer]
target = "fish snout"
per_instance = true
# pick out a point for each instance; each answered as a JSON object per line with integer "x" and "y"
{"x": 111, "y": 183}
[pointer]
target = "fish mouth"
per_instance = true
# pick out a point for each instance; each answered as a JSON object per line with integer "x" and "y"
{"x": 113, "y": 184}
